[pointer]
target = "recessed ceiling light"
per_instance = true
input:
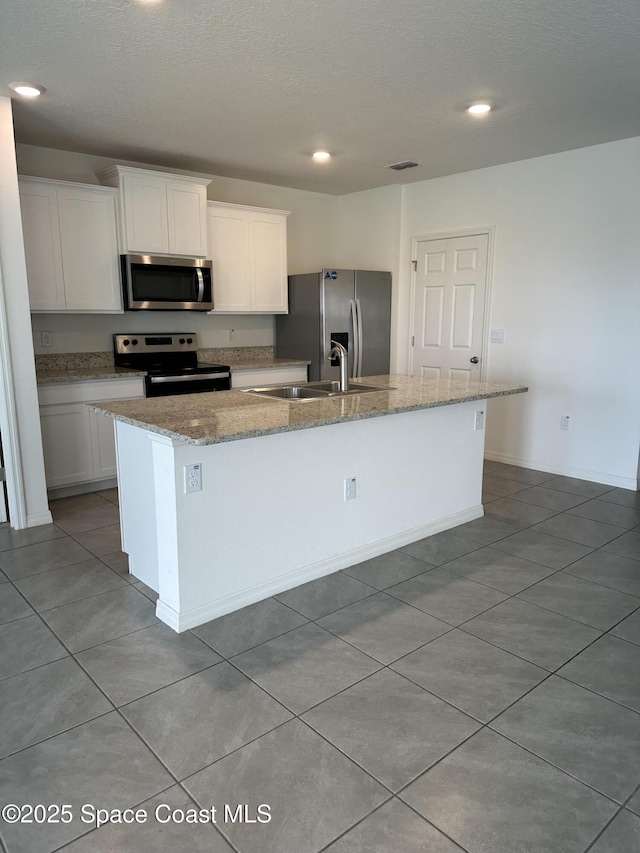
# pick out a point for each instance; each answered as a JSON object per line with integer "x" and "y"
{"x": 28, "y": 90}
{"x": 321, "y": 156}
{"x": 479, "y": 109}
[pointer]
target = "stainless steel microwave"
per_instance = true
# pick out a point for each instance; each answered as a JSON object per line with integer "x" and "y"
{"x": 155, "y": 283}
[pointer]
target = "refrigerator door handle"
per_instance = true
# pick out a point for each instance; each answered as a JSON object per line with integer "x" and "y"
{"x": 354, "y": 322}
{"x": 360, "y": 337}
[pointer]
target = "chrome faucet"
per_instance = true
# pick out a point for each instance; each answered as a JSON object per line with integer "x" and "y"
{"x": 339, "y": 351}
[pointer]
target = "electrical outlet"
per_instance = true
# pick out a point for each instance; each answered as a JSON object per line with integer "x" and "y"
{"x": 478, "y": 422}
{"x": 350, "y": 489}
{"x": 232, "y": 335}
{"x": 192, "y": 478}
{"x": 46, "y": 339}
{"x": 564, "y": 421}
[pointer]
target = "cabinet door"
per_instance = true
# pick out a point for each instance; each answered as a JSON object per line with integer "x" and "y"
{"x": 89, "y": 250}
{"x": 66, "y": 441}
{"x": 41, "y": 230}
{"x": 268, "y": 252}
{"x": 229, "y": 251}
{"x": 145, "y": 214}
{"x": 187, "y": 219}
{"x": 104, "y": 446}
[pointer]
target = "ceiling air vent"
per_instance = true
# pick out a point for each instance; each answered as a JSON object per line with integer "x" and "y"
{"x": 406, "y": 164}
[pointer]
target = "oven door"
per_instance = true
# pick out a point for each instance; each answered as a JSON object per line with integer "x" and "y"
{"x": 166, "y": 284}
{"x": 188, "y": 383}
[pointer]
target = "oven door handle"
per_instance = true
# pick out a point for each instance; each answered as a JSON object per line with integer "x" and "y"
{"x": 157, "y": 380}
{"x": 200, "y": 285}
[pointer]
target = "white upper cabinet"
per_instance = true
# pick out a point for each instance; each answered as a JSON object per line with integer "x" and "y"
{"x": 90, "y": 260}
{"x": 248, "y": 248}
{"x": 71, "y": 246}
{"x": 187, "y": 218}
{"x": 43, "y": 252}
{"x": 161, "y": 214}
{"x": 144, "y": 214}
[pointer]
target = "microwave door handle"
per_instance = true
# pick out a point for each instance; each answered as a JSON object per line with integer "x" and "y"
{"x": 200, "y": 297}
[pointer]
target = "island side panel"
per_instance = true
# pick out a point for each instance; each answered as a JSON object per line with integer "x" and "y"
{"x": 136, "y": 495}
{"x": 271, "y": 513}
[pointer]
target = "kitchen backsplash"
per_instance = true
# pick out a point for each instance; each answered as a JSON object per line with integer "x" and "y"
{"x": 235, "y": 355}
{"x": 73, "y": 360}
{"x": 89, "y": 333}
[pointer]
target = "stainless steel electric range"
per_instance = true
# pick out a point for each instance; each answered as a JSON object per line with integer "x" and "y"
{"x": 171, "y": 363}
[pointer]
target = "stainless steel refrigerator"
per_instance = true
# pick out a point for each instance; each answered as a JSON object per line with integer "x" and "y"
{"x": 352, "y": 307}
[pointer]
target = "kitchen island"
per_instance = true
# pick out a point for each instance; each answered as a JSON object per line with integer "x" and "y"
{"x": 270, "y": 511}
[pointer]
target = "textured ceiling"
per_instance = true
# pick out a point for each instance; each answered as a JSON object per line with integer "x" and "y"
{"x": 249, "y": 88}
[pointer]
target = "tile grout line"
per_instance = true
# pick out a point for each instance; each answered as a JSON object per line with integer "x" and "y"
{"x": 380, "y": 669}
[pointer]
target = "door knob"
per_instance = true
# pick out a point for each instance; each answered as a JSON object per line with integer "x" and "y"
{"x": 474, "y": 360}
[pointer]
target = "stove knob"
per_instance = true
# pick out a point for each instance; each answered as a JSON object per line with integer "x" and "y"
{"x": 189, "y": 340}
{"x": 181, "y": 340}
{"x": 134, "y": 342}
{"x": 126, "y": 342}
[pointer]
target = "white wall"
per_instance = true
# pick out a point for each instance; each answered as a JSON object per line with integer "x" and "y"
{"x": 565, "y": 289}
{"x": 93, "y": 332}
{"x": 19, "y": 413}
{"x": 367, "y": 236}
{"x": 310, "y": 232}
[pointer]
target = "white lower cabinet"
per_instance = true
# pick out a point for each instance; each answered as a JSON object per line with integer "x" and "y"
{"x": 67, "y": 445}
{"x": 79, "y": 445}
{"x": 268, "y": 376}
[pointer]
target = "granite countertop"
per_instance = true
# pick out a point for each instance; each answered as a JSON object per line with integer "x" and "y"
{"x": 86, "y": 374}
{"x": 212, "y": 418}
{"x": 89, "y": 366}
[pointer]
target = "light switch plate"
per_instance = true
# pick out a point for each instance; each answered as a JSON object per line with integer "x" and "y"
{"x": 497, "y": 336}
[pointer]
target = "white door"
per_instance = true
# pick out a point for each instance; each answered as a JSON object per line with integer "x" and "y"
{"x": 448, "y": 307}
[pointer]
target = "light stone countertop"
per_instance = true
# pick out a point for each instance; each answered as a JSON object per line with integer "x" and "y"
{"x": 86, "y": 374}
{"x": 212, "y": 418}
{"x": 91, "y": 366}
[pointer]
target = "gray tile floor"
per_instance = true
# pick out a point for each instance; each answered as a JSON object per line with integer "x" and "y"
{"x": 476, "y": 691}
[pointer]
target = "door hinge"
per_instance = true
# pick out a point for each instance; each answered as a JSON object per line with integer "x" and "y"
{"x": 415, "y": 266}
{"x": 413, "y": 340}
{"x": 3, "y": 476}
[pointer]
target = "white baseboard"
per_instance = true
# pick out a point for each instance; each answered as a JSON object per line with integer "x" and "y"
{"x": 35, "y": 519}
{"x": 81, "y": 488}
{"x": 566, "y": 471}
{"x": 211, "y": 610}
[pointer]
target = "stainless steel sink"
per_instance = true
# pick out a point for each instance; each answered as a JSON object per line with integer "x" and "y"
{"x": 332, "y": 388}
{"x": 312, "y": 391}
{"x": 290, "y": 392}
